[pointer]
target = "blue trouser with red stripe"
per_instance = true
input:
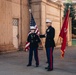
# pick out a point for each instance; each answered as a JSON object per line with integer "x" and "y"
{"x": 35, "y": 55}
{"x": 49, "y": 53}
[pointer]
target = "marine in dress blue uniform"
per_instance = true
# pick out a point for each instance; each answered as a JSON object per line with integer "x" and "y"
{"x": 49, "y": 44}
{"x": 34, "y": 40}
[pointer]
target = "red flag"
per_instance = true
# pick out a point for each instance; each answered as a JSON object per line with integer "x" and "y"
{"x": 63, "y": 33}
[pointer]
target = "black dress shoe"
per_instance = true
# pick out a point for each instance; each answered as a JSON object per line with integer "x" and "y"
{"x": 49, "y": 69}
{"x": 28, "y": 65}
{"x": 46, "y": 67}
{"x": 47, "y": 62}
{"x": 37, "y": 65}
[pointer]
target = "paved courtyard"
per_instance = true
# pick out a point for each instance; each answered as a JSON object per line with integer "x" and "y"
{"x": 15, "y": 63}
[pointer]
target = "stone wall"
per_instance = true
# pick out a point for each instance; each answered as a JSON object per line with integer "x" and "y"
{"x": 5, "y": 25}
{"x": 10, "y": 9}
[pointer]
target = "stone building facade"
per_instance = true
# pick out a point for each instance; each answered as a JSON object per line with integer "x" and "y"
{"x": 15, "y": 21}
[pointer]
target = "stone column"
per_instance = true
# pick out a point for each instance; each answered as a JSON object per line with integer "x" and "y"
{"x": 24, "y": 22}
